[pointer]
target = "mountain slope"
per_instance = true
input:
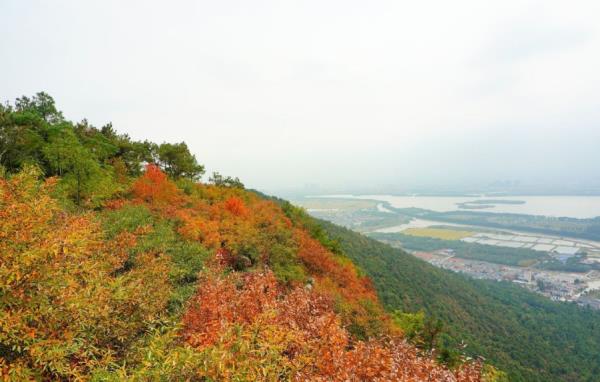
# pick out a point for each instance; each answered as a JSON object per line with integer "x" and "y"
{"x": 117, "y": 264}
{"x": 528, "y": 336}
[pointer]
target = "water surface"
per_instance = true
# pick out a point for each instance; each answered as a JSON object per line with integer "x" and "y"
{"x": 582, "y": 207}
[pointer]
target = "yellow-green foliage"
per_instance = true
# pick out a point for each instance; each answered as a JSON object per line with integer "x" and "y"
{"x": 491, "y": 374}
{"x": 67, "y": 302}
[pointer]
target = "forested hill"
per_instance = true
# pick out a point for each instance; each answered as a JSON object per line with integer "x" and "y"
{"x": 119, "y": 264}
{"x": 527, "y": 335}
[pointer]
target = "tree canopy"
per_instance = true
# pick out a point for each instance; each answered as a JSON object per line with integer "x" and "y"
{"x": 92, "y": 163}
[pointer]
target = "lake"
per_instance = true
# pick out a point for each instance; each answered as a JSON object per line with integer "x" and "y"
{"x": 582, "y": 207}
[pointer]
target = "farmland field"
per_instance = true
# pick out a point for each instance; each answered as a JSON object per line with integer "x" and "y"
{"x": 438, "y": 233}
{"x": 324, "y": 204}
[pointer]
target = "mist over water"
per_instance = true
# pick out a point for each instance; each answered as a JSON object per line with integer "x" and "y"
{"x": 581, "y": 207}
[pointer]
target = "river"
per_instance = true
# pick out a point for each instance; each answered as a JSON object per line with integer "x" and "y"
{"x": 582, "y": 207}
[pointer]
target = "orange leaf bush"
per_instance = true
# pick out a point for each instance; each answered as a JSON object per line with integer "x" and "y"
{"x": 156, "y": 189}
{"x": 243, "y": 317}
{"x": 236, "y": 206}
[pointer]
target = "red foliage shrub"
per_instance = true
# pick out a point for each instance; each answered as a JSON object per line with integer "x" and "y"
{"x": 313, "y": 346}
{"x": 155, "y": 188}
{"x": 222, "y": 301}
{"x": 114, "y": 204}
{"x": 236, "y": 206}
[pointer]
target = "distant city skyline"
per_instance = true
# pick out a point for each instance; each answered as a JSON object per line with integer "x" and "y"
{"x": 342, "y": 95}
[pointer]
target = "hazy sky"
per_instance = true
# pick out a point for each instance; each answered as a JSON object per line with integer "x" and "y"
{"x": 334, "y": 93}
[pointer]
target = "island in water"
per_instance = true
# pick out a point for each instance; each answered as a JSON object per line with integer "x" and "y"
{"x": 481, "y": 204}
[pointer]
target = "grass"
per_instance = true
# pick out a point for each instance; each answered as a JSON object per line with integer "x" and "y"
{"x": 438, "y": 233}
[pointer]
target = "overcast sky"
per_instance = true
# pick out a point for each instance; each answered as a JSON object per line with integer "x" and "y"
{"x": 332, "y": 93}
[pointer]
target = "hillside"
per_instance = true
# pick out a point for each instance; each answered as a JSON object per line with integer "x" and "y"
{"x": 527, "y": 335}
{"x": 119, "y": 264}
